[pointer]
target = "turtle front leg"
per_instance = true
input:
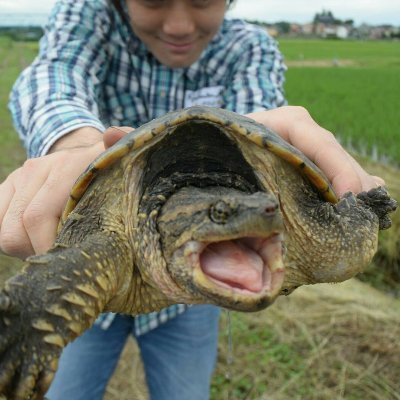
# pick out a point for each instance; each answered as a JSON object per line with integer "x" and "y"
{"x": 337, "y": 241}
{"x": 55, "y": 299}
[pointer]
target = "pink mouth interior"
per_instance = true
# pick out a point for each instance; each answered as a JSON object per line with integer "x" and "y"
{"x": 241, "y": 263}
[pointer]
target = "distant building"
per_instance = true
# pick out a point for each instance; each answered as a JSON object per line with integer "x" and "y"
{"x": 272, "y": 31}
{"x": 365, "y": 31}
{"x": 327, "y": 26}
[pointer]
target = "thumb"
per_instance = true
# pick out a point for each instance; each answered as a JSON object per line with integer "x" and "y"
{"x": 115, "y": 133}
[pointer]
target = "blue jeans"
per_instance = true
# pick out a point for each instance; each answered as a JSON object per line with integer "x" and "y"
{"x": 178, "y": 356}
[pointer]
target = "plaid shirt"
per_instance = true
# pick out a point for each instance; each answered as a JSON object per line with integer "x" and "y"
{"x": 93, "y": 71}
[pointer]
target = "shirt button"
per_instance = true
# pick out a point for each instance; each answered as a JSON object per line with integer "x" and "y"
{"x": 162, "y": 93}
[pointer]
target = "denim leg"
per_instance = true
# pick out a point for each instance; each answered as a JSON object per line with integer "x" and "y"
{"x": 88, "y": 362}
{"x": 179, "y": 356}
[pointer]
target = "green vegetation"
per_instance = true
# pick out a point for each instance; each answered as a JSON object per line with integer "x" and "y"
{"x": 351, "y": 88}
{"x": 368, "y": 54}
{"x": 14, "y": 56}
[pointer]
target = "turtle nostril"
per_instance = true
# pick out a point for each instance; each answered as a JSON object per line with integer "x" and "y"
{"x": 271, "y": 209}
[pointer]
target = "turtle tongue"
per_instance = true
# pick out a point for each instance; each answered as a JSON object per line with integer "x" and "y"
{"x": 233, "y": 263}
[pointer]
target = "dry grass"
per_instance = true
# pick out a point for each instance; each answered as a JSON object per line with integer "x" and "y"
{"x": 322, "y": 342}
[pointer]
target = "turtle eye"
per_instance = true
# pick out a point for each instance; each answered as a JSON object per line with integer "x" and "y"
{"x": 220, "y": 212}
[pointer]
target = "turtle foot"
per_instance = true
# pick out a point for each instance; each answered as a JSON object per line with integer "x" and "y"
{"x": 28, "y": 359}
{"x": 380, "y": 202}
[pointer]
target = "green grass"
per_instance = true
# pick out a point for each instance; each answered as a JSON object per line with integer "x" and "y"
{"x": 362, "y": 53}
{"x": 14, "y": 56}
{"x": 358, "y": 105}
{"x": 268, "y": 350}
{"x": 359, "y": 102}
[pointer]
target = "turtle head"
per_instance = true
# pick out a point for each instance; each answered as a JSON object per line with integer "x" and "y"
{"x": 224, "y": 246}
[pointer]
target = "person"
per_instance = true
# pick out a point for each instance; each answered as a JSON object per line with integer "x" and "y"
{"x": 119, "y": 64}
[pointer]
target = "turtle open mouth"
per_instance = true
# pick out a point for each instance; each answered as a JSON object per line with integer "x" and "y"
{"x": 247, "y": 264}
{"x": 241, "y": 268}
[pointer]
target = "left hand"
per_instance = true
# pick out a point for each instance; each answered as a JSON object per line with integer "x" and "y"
{"x": 296, "y": 126}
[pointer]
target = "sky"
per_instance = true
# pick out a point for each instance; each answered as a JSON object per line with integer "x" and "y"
{"x": 368, "y": 11}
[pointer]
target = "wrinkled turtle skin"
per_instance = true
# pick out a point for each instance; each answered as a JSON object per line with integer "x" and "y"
{"x": 199, "y": 206}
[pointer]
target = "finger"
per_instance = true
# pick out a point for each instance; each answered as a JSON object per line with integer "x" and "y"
{"x": 42, "y": 217}
{"x": 324, "y": 150}
{"x": 367, "y": 181}
{"x": 13, "y": 236}
{"x": 7, "y": 191}
{"x": 295, "y": 125}
{"x": 115, "y": 133}
{"x": 44, "y": 211}
{"x": 339, "y": 167}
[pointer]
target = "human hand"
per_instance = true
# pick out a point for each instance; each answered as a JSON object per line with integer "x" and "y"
{"x": 32, "y": 197}
{"x": 295, "y": 125}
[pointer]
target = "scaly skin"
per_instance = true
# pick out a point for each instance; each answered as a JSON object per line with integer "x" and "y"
{"x": 55, "y": 298}
{"x": 127, "y": 251}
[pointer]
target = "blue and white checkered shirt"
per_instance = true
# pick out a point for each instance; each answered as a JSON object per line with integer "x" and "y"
{"x": 93, "y": 71}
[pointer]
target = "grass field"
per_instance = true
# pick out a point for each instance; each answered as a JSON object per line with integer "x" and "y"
{"x": 324, "y": 342}
{"x": 14, "y": 57}
{"x": 366, "y": 54}
{"x": 351, "y": 88}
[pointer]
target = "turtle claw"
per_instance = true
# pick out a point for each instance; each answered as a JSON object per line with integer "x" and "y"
{"x": 346, "y": 202}
{"x": 7, "y": 372}
{"x": 25, "y": 386}
{"x": 27, "y": 361}
{"x": 380, "y": 202}
{"x": 26, "y": 376}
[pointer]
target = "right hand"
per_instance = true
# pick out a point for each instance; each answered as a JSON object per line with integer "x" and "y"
{"x": 296, "y": 126}
{"x": 33, "y": 197}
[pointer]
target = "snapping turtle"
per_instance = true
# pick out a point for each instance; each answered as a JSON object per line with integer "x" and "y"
{"x": 199, "y": 206}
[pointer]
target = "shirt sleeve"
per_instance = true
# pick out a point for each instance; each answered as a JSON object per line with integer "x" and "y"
{"x": 57, "y": 93}
{"x": 257, "y": 78}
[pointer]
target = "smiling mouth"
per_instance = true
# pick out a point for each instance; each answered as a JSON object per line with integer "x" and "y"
{"x": 242, "y": 269}
{"x": 178, "y": 47}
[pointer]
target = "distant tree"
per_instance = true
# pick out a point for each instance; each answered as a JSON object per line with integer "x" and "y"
{"x": 283, "y": 26}
{"x": 256, "y": 22}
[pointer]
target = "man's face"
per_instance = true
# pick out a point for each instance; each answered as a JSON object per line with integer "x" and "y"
{"x": 176, "y": 31}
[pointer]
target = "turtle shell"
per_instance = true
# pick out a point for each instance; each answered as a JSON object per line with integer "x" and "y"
{"x": 237, "y": 124}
